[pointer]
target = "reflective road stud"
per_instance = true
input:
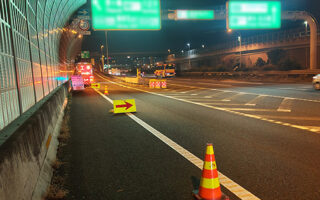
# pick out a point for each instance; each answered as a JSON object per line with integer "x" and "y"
{"x": 209, "y": 183}
{"x": 124, "y": 106}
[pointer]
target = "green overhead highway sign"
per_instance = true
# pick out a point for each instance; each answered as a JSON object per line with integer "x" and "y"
{"x": 253, "y": 14}
{"x": 85, "y": 54}
{"x": 194, "y": 14}
{"x": 126, "y": 14}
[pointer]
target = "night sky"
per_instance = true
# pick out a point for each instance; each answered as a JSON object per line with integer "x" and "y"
{"x": 176, "y": 34}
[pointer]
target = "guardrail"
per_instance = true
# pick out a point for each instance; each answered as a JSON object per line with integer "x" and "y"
{"x": 302, "y": 74}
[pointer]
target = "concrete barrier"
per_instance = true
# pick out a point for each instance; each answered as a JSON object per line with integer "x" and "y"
{"x": 257, "y": 75}
{"x": 24, "y": 148}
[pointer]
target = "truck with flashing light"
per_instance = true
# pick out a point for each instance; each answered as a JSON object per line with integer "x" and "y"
{"x": 86, "y": 71}
{"x": 165, "y": 70}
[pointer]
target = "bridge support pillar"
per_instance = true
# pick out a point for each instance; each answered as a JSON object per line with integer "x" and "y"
{"x": 297, "y": 15}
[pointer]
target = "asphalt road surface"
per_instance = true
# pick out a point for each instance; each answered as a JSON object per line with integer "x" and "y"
{"x": 265, "y": 136}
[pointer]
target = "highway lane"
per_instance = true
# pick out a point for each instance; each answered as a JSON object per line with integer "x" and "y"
{"x": 112, "y": 157}
{"x": 271, "y": 160}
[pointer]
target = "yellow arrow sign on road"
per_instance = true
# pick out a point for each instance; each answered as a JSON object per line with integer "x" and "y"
{"x": 95, "y": 85}
{"x": 124, "y": 106}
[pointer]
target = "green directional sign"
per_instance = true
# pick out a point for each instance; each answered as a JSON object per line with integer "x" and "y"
{"x": 85, "y": 54}
{"x": 126, "y": 14}
{"x": 194, "y": 14}
{"x": 254, "y": 14}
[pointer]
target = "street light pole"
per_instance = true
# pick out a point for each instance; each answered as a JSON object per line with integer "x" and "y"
{"x": 102, "y": 59}
{"x": 107, "y": 48}
{"x": 189, "y": 54}
{"x": 306, "y": 25}
{"x": 240, "y": 39}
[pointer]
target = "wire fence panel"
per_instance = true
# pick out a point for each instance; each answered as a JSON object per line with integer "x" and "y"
{"x": 9, "y": 102}
{"x": 30, "y": 32}
{"x": 22, "y": 54}
{"x": 34, "y": 48}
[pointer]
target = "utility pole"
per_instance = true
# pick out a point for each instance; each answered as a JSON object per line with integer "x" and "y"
{"x": 240, "y": 39}
{"x": 107, "y": 48}
{"x": 189, "y": 45}
{"x": 102, "y": 59}
{"x": 306, "y": 24}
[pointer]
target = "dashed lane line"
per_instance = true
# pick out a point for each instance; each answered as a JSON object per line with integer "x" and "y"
{"x": 232, "y": 186}
{"x": 233, "y": 97}
{"x": 222, "y": 109}
{"x": 254, "y": 101}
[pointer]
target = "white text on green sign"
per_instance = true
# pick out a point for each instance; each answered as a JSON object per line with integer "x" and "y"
{"x": 126, "y": 14}
{"x": 254, "y": 14}
{"x": 195, "y": 14}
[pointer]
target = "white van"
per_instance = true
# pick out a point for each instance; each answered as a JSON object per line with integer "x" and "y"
{"x": 316, "y": 82}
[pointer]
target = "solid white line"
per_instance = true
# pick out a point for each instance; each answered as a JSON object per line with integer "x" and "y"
{"x": 224, "y": 180}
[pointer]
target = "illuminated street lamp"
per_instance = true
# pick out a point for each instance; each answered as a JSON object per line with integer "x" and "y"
{"x": 182, "y": 51}
{"x": 240, "y": 42}
{"x": 189, "y": 54}
{"x": 102, "y": 57}
{"x": 202, "y": 46}
{"x": 306, "y": 25}
{"x": 240, "y": 39}
{"x": 169, "y": 51}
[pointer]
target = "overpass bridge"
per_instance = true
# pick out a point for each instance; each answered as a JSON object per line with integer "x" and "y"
{"x": 257, "y": 44}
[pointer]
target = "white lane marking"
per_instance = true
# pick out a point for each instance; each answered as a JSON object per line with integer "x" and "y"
{"x": 315, "y": 128}
{"x": 254, "y": 101}
{"x": 233, "y": 97}
{"x": 304, "y": 118}
{"x": 251, "y": 109}
{"x": 301, "y": 89}
{"x": 224, "y": 180}
{"x": 221, "y": 109}
{"x": 285, "y": 105}
{"x": 309, "y": 100}
{"x": 226, "y": 85}
{"x": 223, "y": 104}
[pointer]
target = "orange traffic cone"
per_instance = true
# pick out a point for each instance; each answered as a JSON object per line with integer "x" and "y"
{"x": 209, "y": 183}
{"x": 106, "y": 90}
